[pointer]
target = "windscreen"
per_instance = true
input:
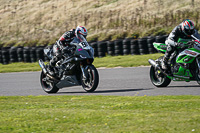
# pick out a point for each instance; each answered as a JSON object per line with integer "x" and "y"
{"x": 196, "y": 35}
{"x": 80, "y": 39}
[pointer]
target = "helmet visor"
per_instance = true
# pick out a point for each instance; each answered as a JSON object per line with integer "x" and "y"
{"x": 189, "y": 31}
{"x": 81, "y": 37}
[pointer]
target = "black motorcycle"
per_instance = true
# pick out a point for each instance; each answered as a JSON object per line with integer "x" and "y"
{"x": 72, "y": 70}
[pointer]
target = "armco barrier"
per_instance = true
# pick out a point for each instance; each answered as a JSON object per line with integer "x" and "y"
{"x": 101, "y": 49}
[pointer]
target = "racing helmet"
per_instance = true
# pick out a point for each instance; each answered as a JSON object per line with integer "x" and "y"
{"x": 81, "y": 30}
{"x": 187, "y": 27}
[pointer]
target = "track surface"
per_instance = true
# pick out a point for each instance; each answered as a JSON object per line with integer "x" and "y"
{"x": 117, "y": 81}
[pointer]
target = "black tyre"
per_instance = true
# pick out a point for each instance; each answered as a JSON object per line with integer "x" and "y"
{"x": 161, "y": 39}
{"x": 48, "y": 86}
{"x": 94, "y": 46}
{"x": 118, "y": 52}
{"x": 151, "y": 40}
{"x": 126, "y": 51}
{"x": 110, "y": 49}
{"x": 197, "y": 74}
{"x": 118, "y": 44}
{"x": 111, "y": 52}
{"x": 33, "y": 54}
{"x": 135, "y": 51}
{"x": 102, "y": 47}
{"x": 26, "y": 54}
{"x": 159, "y": 80}
{"x": 198, "y": 78}
{"x": 20, "y": 54}
{"x": 110, "y": 44}
{"x": 0, "y": 57}
{"x": 5, "y": 56}
{"x": 91, "y": 82}
{"x": 101, "y": 54}
{"x": 13, "y": 54}
{"x": 39, "y": 53}
{"x": 151, "y": 51}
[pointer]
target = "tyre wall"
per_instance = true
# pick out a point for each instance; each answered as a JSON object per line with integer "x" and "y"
{"x": 101, "y": 48}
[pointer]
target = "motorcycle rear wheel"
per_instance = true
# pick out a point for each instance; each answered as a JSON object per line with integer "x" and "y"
{"x": 158, "y": 80}
{"x": 90, "y": 84}
{"x": 47, "y": 86}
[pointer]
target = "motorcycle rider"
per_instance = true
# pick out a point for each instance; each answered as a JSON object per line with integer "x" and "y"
{"x": 63, "y": 45}
{"x": 183, "y": 30}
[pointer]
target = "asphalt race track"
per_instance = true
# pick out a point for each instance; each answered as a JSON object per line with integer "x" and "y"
{"x": 132, "y": 81}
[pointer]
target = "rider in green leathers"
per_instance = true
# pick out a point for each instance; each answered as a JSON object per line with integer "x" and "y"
{"x": 184, "y": 30}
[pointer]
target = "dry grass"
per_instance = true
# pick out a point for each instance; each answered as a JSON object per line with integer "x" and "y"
{"x": 46, "y": 20}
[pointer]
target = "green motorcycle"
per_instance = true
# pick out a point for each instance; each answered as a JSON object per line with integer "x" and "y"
{"x": 184, "y": 64}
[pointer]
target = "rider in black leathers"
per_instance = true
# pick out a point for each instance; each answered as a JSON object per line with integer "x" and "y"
{"x": 184, "y": 31}
{"x": 64, "y": 44}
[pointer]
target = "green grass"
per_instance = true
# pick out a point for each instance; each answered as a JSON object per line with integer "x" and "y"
{"x": 19, "y": 67}
{"x": 153, "y": 114}
{"x": 109, "y": 61}
{"x": 125, "y": 61}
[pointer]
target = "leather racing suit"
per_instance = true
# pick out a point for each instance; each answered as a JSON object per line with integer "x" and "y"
{"x": 63, "y": 42}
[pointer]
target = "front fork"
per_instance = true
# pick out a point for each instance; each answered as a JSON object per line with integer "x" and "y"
{"x": 84, "y": 71}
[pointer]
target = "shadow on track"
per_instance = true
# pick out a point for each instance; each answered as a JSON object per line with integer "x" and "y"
{"x": 106, "y": 91}
{"x": 188, "y": 86}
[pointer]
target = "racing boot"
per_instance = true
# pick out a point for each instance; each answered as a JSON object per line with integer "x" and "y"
{"x": 51, "y": 70}
{"x": 164, "y": 63}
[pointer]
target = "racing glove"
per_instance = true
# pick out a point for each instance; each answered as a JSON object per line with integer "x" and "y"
{"x": 181, "y": 45}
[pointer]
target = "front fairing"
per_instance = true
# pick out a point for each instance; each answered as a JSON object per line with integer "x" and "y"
{"x": 188, "y": 55}
{"x": 48, "y": 52}
{"x": 83, "y": 49}
{"x": 182, "y": 40}
{"x": 160, "y": 46}
{"x": 82, "y": 53}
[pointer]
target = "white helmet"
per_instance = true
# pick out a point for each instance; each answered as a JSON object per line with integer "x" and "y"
{"x": 188, "y": 27}
{"x": 81, "y": 30}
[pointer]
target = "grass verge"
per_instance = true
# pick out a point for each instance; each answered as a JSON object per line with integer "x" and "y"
{"x": 109, "y": 61}
{"x": 163, "y": 114}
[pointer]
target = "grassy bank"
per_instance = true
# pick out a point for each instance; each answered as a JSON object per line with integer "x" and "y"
{"x": 42, "y": 22}
{"x": 109, "y": 61}
{"x": 163, "y": 114}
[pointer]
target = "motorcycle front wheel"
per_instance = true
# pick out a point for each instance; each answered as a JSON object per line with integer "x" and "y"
{"x": 198, "y": 76}
{"x": 48, "y": 85}
{"x": 158, "y": 79}
{"x": 92, "y": 79}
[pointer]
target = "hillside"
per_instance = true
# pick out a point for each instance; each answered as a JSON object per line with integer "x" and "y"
{"x": 43, "y": 21}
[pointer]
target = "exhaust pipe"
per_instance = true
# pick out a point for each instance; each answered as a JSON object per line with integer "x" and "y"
{"x": 153, "y": 63}
{"x": 42, "y": 65}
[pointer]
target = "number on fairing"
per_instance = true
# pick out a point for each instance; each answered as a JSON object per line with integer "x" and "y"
{"x": 84, "y": 44}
